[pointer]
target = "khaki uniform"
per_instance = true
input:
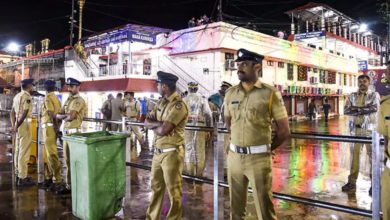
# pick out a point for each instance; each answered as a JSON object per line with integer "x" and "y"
{"x": 52, "y": 104}
{"x": 195, "y": 141}
{"x": 22, "y": 102}
{"x": 132, "y": 112}
{"x": 116, "y": 113}
{"x": 384, "y": 129}
{"x": 168, "y": 167}
{"x": 362, "y": 127}
{"x": 73, "y": 103}
{"x": 251, "y": 117}
{"x": 106, "y": 108}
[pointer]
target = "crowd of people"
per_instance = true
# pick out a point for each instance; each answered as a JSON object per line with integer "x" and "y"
{"x": 248, "y": 111}
{"x": 193, "y": 22}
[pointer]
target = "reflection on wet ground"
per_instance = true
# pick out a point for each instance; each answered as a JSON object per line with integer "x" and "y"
{"x": 309, "y": 168}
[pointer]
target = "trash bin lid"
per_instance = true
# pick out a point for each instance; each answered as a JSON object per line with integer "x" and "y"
{"x": 92, "y": 137}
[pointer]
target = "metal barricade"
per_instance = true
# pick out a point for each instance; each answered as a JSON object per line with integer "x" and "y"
{"x": 217, "y": 174}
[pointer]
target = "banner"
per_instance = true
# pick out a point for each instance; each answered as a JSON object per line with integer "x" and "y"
{"x": 309, "y": 35}
{"x": 119, "y": 37}
{"x": 379, "y": 81}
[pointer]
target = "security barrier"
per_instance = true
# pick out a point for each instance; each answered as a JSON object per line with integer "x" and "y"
{"x": 217, "y": 160}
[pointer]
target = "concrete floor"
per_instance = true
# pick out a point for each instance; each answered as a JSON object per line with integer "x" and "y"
{"x": 309, "y": 168}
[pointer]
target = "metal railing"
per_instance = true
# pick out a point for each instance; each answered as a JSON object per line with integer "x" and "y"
{"x": 374, "y": 140}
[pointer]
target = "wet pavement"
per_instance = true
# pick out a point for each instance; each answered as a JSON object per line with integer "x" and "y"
{"x": 308, "y": 168}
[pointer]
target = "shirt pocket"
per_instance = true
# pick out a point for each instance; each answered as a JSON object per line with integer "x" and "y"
{"x": 235, "y": 112}
{"x": 258, "y": 114}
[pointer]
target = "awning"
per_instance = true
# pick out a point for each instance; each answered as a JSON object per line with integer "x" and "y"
{"x": 124, "y": 84}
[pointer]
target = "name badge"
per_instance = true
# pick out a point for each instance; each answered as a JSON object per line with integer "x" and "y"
{"x": 235, "y": 102}
{"x": 159, "y": 110}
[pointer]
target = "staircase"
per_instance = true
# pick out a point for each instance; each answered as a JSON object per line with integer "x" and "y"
{"x": 169, "y": 65}
{"x": 88, "y": 69}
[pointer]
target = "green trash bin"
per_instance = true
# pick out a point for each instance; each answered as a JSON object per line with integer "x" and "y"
{"x": 98, "y": 165}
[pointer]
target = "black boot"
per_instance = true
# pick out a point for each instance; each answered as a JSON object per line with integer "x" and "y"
{"x": 45, "y": 184}
{"x": 62, "y": 190}
{"x": 25, "y": 182}
{"x": 349, "y": 187}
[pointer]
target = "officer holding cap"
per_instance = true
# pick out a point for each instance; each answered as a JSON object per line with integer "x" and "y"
{"x": 249, "y": 109}
{"x": 168, "y": 120}
{"x": 50, "y": 108}
{"x": 72, "y": 113}
{"x": 384, "y": 129}
{"x": 21, "y": 125}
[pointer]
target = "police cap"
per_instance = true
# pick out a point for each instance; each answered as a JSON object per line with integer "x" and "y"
{"x": 243, "y": 55}
{"x": 49, "y": 83}
{"x": 164, "y": 77}
{"x": 27, "y": 82}
{"x": 72, "y": 81}
{"x": 193, "y": 85}
{"x": 224, "y": 83}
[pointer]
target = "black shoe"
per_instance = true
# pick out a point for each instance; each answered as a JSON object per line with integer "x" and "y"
{"x": 16, "y": 180}
{"x": 62, "y": 190}
{"x": 348, "y": 187}
{"x": 25, "y": 182}
{"x": 45, "y": 184}
{"x": 370, "y": 191}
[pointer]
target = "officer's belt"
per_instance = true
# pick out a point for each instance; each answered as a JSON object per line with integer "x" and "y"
{"x": 258, "y": 149}
{"x": 71, "y": 130}
{"x": 161, "y": 151}
{"x": 29, "y": 120}
{"x": 358, "y": 126}
{"x": 45, "y": 125}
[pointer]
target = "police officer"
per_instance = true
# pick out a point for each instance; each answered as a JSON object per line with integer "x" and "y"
{"x": 132, "y": 112}
{"x": 362, "y": 106}
{"x": 216, "y": 101}
{"x": 21, "y": 125}
{"x": 117, "y": 106}
{"x": 195, "y": 141}
{"x": 168, "y": 120}
{"x": 50, "y": 109}
{"x": 107, "y": 111}
{"x": 72, "y": 113}
{"x": 250, "y": 107}
{"x": 384, "y": 129}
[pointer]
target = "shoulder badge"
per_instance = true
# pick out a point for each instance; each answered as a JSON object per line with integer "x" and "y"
{"x": 28, "y": 101}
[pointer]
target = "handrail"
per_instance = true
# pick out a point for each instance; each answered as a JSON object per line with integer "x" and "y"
{"x": 282, "y": 196}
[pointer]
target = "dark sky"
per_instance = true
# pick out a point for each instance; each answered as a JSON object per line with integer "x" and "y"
{"x": 25, "y": 21}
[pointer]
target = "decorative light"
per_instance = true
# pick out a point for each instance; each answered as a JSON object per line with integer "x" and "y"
{"x": 13, "y": 47}
{"x": 362, "y": 27}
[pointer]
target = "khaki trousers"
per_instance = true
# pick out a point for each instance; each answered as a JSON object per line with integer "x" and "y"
{"x": 254, "y": 169}
{"x": 385, "y": 193}
{"x": 354, "y": 172}
{"x": 54, "y": 165}
{"x": 22, "y": 150}
{"x": 195, "y": 152}
{"x": 166, "y": 174}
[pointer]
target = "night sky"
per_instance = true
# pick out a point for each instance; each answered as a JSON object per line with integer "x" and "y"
{"x": 25, "y": 21}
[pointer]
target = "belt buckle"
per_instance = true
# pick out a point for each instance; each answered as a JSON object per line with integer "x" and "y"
{"x": 241, "y": 150}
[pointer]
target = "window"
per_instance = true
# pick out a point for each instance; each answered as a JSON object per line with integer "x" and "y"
{"x": 302, "y": 73}
{"x": 322, "y": 76}
{"x": 290, "y": 71}
{"x": 315, "y": 70}
{"x": 270, "y": 63}
{"x": 331, "y": 77}
{"x": 280, "y": 64}
{"x": 345, "y": 80}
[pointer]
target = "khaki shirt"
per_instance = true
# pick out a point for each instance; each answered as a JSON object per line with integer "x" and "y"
{"x": 51, "y": 103}
{"x": 22, "y": 102}
{"x": 116, "y": 105}
{"x": 384, "y": 125}
{"x": 252, "y": 113}
{"x": 133, "y": 108}
{"x": 74, "y": 103}
{"x": 358, "y": 99}
{"x": 175, "y": 111}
